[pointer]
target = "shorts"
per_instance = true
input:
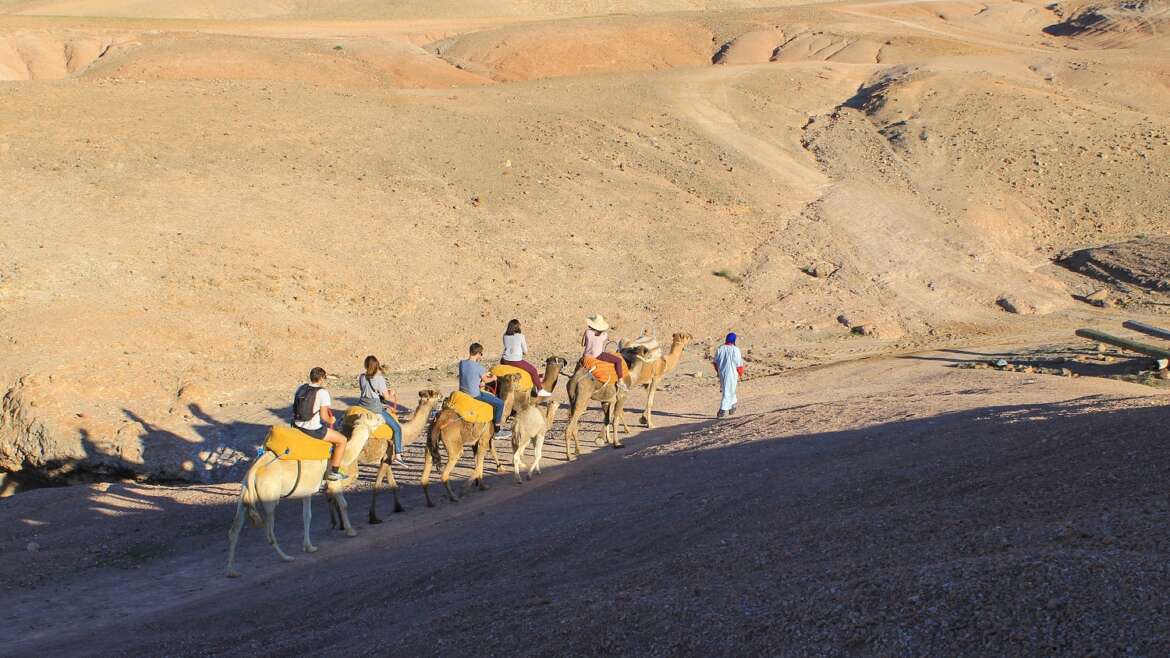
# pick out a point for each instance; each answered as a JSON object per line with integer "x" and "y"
{"x": 318, "y": 433}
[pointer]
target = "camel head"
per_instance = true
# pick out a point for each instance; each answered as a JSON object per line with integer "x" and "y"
{"x": 428, "y": 395}
{"x": 506, "y": 390}
{"x": 681, "y": 337}
{"x": 560, "y": 361}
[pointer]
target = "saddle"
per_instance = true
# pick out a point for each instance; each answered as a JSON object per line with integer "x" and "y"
{"x": 469, "y": 409}
{"x": 382, "y": 431}
{"x": 603, "y": 371}
{"x": 525, "y": 383}
{"x": 290, "y": 444}
{"x": 654, "y": 349}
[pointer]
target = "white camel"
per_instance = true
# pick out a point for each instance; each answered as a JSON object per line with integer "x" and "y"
{"x": 270, "y": 479}
{"x": 532, "y": 424}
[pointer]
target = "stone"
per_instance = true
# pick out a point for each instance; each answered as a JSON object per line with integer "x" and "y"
{"x": 865, "y": 330}
{"x": 1013, "y": 305}
{"x": 32, "y": 547}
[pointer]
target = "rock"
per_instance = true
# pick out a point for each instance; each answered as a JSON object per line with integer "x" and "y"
{"x": 820, "y": 270}
{"x": 32, "y": 547}
{"x": 1013, "y": 305}
{"x": 844, "y": 320}
{"x": 865, "y": 330}
{"x": 1097, "y": 295}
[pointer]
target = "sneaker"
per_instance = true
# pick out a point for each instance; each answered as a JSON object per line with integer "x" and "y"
{"x": 731, "y": 411}
{"x": 503, "y": 433}
{"x": 398, "y": 460}
{"x": 335, "y": 476}
{"x": 721, "y": 414}
{"x": 543, "y": 394}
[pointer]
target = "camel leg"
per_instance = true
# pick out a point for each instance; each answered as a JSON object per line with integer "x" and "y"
{"x": 307, "y": 519}
{"x": 572, "y": 447}
{"x": 647, "y": 414}
{"x": 334, "y": 517}
{"x": 393, "y": 485}
{"x": 492, "y": 444}
{"x": 536, "y": 452}
{"x": 425, "y": 478}
{"x": 619, "y": 413}
{"x": 446, "y": 475}
{"x": 518, "y": 457}
{"x": 234, "y": 538}
{"x": 606, "y": 420}
{"x": 477, "y": 474}
{"x": 373, "y": 515}
{"x": 270, "y": 529}
{"x": 343, "y": 513}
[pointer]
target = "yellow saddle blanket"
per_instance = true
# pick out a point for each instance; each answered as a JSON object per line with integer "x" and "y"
{"x": 525, "y": 378}
{"x": 470, "y": 409}
{"x": 602, "y": 371}
{"x": 289, "y": 443}
{"x": 383, "y": 430}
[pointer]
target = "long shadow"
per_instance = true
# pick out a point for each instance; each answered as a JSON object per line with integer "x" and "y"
{"x": 1045, "y": 518}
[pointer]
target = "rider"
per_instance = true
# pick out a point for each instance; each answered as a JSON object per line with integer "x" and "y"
{"x": 315, "y": 418}
{"x": 515, "y": 347}
{"x": 594, "y": 343}
{"x": 472, "y": 376}
{"x": 375, "y": 395}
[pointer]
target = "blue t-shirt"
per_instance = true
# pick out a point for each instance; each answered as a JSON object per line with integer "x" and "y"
{"x": 470, "y": 374}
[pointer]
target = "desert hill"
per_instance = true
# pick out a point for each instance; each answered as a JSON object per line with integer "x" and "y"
{"x": 196, "y": 211}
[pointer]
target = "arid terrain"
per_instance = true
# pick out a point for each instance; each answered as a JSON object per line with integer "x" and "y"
{"x": 199, "y": 201}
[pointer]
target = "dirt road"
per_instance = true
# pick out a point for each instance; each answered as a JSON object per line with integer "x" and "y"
{"x": 884, "y": 506}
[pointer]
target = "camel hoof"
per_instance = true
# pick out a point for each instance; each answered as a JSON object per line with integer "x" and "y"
{"x": 430, "y": 504}
{"x": 232, "y": 573}
{"x": 398, "y": 509}
{"x": 599, "y": 441}
{"x": 374, "y": 520}
{"x": 287, "y": 558}
{"x": 618, "y": 445}
{"x": 310, "y": 549}
{"x": 349, "y": 533}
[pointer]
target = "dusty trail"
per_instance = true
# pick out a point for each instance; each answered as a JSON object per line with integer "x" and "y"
{"x": 788, "y": 526}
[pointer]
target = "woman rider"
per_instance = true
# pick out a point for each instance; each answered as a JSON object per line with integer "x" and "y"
{"x": 515, "y": 347}
{"x": 375, "y": 396}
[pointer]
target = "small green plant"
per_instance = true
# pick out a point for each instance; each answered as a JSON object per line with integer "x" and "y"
{"x": 338, "y": 47}
{"x": 728, "y": 274}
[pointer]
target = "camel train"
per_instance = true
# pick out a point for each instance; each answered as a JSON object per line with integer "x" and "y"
{"x": 293, "y": 464}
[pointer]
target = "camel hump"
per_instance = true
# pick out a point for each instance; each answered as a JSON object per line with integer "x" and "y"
{"x": 291, "y": 444}
{"x": 470, "y": 409}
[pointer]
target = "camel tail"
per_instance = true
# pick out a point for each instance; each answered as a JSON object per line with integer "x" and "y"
{"x": 248, "y": 495}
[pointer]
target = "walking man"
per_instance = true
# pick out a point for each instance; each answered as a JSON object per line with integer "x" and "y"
{"x": 729, "y": 366}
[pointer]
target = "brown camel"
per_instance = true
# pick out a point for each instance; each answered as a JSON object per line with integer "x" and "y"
{"x": 380, "y": 449}
{"x": 455, "y": 434}
{"x": 655, "y": 372}
{"x": 582, "y": 388}
{"x": 553, "y": 367}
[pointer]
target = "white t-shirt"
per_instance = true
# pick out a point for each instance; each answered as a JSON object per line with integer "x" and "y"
{"x": 514, "y": 347}
{"x": 314, "y": 423}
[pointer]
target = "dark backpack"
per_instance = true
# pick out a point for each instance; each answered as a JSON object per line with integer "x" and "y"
{"x": 303, "y": 401}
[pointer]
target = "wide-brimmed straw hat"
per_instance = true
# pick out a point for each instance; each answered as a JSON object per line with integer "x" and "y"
{"x": 597, "y": 323}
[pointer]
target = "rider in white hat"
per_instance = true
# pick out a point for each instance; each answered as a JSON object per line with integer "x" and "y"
{"x": 594, "y": 343}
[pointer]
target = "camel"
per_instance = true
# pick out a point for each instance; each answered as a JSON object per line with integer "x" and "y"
{"x": 380, "y": 450}
{"x": 530, "y": 429}
{"x": 270, "y": 479}
{"x": 553, "y": 367}
{"x": 455, "y": 434}
{"x": 583, "y": 387}
{"x": 654, "y": 373}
